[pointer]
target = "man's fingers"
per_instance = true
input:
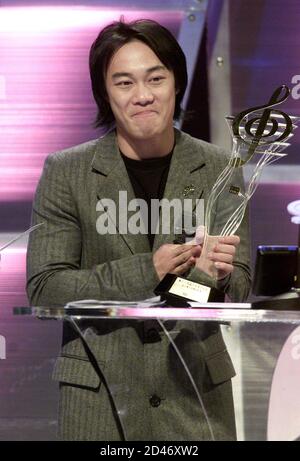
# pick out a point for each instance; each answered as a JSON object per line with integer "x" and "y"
{"x": 230, "y": 240}
{"x": 182, "y": 268}
{"x": 221, "y": 257}
{"x": 181, "y": 249}
{"x": 171, "y": 257}
{"x": 183, "y": 257}
{"x": 222, "y": 248}
{"x": 223, "y": 269}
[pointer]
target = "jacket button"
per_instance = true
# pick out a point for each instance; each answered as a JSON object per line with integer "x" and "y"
{"x": 154, "y": 401}
{"x": 152, "y": 335}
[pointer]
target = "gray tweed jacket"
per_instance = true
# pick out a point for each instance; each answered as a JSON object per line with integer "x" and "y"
{"x": 68, "y": 260}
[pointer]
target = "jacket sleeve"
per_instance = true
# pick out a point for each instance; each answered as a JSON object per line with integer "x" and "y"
{"x": 54, "y": 273}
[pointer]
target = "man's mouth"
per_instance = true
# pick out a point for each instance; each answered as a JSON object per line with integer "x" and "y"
{"x": 145, "y": 113}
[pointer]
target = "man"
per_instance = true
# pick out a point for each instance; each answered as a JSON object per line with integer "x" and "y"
{"x": 118, "y": 380}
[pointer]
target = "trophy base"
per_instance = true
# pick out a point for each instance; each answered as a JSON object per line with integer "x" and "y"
{"x": 289, "y": 301}
{"x": 178, "y": 291}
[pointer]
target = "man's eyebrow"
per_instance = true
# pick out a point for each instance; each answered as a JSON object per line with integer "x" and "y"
{"x": 148, "y": 71}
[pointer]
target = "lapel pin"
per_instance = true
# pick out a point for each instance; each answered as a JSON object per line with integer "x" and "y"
{"x": 188, "y": 190}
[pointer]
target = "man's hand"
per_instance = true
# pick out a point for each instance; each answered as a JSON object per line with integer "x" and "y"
{"x": 223, "y": 255}
{"x": 175, "y": 259}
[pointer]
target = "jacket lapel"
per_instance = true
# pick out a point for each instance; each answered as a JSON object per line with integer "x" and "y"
{"x": 115, "y": 185}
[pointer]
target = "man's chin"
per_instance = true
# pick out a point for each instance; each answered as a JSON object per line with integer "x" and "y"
{"x": 145, "y": 133}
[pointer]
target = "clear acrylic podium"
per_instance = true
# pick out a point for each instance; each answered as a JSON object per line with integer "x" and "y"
{"x": 264, "y": 347}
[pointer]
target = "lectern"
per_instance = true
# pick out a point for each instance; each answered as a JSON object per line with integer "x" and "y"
{"x": 264, "y": 347}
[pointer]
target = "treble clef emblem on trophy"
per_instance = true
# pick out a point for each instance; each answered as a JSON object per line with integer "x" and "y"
{"x": 263, "y": 125}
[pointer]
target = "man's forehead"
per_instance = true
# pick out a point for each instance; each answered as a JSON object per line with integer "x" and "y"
{"x": 135, "y": 56}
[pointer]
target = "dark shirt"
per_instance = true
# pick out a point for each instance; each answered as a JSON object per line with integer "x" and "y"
{"x": 148, "y": 178}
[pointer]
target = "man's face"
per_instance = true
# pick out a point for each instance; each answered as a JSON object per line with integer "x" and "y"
{"x": 141, "y": 92}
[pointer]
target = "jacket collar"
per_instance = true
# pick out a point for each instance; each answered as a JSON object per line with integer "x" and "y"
{"x": 184, "y": 158}
{"x": 107, "y": 154}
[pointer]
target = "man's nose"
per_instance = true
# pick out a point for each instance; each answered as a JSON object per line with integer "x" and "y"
{"x": 143, "y": 95}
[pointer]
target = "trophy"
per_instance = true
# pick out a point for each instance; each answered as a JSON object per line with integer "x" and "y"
{"x": 259, "y": 137}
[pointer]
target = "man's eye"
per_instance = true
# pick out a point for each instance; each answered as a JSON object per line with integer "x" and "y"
{"x": 124, "y": 83}
{"x": 157, "y": 79}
